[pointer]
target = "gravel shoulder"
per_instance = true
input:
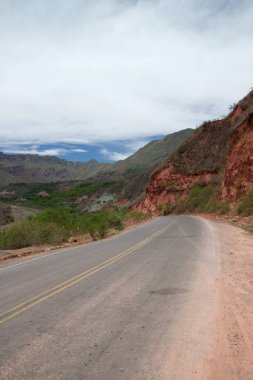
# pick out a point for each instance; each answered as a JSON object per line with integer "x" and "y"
{"x": 233, "y": 353}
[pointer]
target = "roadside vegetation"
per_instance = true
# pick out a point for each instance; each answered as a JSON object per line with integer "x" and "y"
{"x": 200, "y": 199}
{"x": 251, "y": 230}
{"x": 53, "y": 194}
{"x": 5, "y": 214}
{"x": 245, "y": 205}
{"x": 57, "y": 216}
{"x": 205, "y": 199}
{"x": 56, "y": 226}
{"x": 60, "y": 212}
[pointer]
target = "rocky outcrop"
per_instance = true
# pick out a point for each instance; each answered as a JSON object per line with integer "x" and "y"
{"x": 198, "y": 162}
{"x": 169, "y": 187}
{"x": 238, "y": 173}
{"x": 219, "y": 152}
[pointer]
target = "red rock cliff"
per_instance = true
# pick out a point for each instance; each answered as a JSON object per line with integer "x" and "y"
{"x": 218, "y": 152}
{"x": 238, "y": 173}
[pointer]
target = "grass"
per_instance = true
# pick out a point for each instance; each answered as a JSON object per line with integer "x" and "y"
{"x": 136, "y": 215}
{"x": 56, "y": 197}
{"x": 205, "y": 199}
{"x": 5, "y": 214}
{"x": 55, "y": 226}
{"x": 59, "y": 216}
{"x": 200, "y": 199}
{"x": 63, "y": 198}
{"x": 250, "y": 230}
{"x": 245, "y": 205}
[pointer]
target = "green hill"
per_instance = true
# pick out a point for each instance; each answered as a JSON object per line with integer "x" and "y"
{"x": 26, "y": 168}
{"x": 48, "y": 182}
{"x": 154, "y": 153}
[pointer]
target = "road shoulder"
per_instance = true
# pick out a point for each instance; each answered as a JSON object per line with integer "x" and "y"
{"x": 233, "y": 354}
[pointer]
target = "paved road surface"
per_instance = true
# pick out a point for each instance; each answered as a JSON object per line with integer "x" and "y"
{"x": 139, "y": 305}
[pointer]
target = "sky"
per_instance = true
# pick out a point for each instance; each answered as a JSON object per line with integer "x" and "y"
{"x": 86, "y": 79}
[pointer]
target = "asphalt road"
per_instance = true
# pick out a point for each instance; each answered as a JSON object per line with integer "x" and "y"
{"x": 139, "y": 305}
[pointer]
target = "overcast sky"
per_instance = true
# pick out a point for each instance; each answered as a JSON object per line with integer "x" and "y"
{"x": 115, "y": 73}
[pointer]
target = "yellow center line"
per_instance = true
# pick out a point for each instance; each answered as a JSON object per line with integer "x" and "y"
{"x": 72, "y": 281}
{"x": 76, "y": 277}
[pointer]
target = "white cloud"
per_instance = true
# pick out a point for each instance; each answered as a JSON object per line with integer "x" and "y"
{"x": 33, "y": 150}
{"x": 88, "y": 71}
{"x": 78, "y": 150}
{"x": 114, "y": 156}
{"x": 36, "y": 149}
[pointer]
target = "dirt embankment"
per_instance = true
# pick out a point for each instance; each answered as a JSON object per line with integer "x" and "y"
{"x": 238, "y": 173}
{"x": 233, "y": 354}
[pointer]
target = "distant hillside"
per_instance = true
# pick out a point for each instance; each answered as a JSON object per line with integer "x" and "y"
{"x": 40, "y": 182}
{"x": 133, "y": 173}
{"x": 154, "y": 153}
{"x": 36, "y": 169}
{"x": 42, "y": 169}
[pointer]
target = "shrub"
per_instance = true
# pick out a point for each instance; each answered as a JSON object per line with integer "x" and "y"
{"x": 71, "y": 221}
{"x": 224, "y": 208}
{"x": 54, "y": 226}
{"x": 137, "y": 215}
{"x": 97, "y": 231}
{"x": 31, "y": 232}
{"x": 5, "y": 214}
{"x": 115, "y": 221}
{"x": 200, "y": 199}
{"x": 245, "y": 205}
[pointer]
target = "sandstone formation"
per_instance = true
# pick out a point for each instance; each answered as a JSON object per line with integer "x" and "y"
{"x": 219, "y": 152}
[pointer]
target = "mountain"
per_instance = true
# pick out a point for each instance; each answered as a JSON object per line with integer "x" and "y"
{"x": 219, "y": 152}
{"x": 133, "y": 174}
{"x": 134, "y": 170}
{"x": 152, "y": 154}
{"x": 35, "y": 169}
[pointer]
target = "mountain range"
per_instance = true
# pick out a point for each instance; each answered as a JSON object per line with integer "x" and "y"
{"x": 218, "y": 154}
{"x": 38, "y": 169}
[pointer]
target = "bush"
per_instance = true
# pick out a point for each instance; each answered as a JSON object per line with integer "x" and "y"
{"x": 200, "y": 199}
{"x": 224, "y": 207}
{"x": 115, "y": 221}
{"x": 70, "y": 221}
{"x": 138, "y": 216}
{"x": 97, "y": 231}
{"x": 55, "y": 226}
{"x": 31, "y": 232}
{"x": 245, "y": 205}
{"x": 5, "y": 214}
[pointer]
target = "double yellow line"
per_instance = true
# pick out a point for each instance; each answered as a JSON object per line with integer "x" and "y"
{"x": 24, "y": 306}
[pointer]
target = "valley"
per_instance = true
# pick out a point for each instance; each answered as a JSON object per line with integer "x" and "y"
{"x": 208, "y": 170}
{"x": 126, "y": 190}
{"x": 137, "y": 261}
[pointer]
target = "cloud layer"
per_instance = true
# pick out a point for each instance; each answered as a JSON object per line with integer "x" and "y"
{"x": 92, "y": 71}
